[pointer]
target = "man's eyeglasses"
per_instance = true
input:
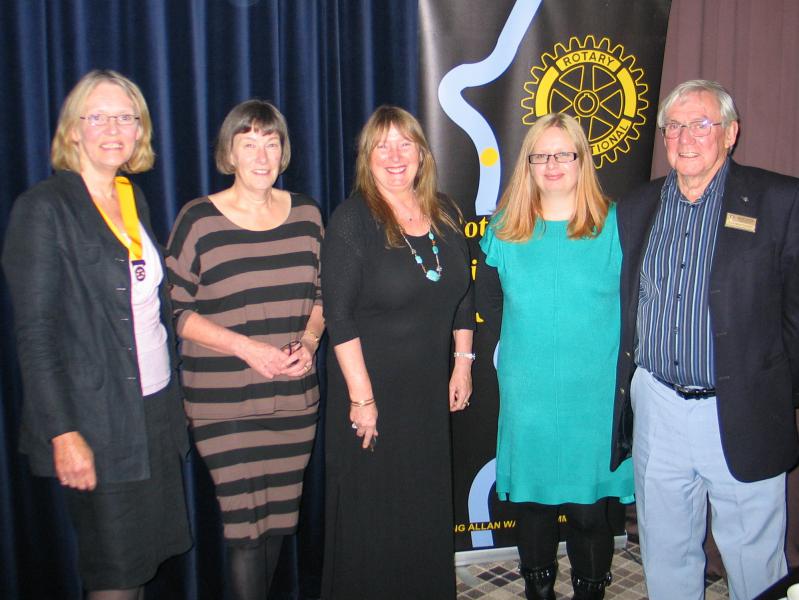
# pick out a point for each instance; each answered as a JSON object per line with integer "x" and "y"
{"x": 561, "y": 157}
{"x": 101, "y": 120}
{"x": 700, "y": 128}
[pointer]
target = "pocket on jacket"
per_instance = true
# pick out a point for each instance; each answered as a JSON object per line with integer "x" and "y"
{"x": 89, "y": 254}
{"x": 762, "y": 253}
{"x": 775, "y": 361}
{"x": 82, "y": 375}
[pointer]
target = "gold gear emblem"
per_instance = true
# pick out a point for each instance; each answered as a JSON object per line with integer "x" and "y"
{"x": 596, "y": 84}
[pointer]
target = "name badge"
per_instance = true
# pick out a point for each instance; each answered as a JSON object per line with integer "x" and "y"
{"x": 741, "y": 222}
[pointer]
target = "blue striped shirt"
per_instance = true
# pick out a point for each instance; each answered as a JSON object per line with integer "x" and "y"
{"x": 675, "y": 340}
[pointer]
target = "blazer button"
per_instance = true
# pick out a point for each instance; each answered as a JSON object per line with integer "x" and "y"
{"x": 621, "y": 390}
{"x": 627, "y": 354}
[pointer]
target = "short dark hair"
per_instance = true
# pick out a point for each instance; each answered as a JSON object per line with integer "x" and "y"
{"x": 251, "y": 115}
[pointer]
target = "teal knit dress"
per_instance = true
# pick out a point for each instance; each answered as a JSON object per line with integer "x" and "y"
{"x": 557, "y": 365}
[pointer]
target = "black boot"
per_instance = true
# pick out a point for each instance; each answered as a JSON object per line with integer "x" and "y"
{"x": 589, "y": 589}
{"x": 539, "y": 584}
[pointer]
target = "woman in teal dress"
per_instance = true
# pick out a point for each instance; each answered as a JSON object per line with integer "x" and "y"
{"x": 551, "y": 277}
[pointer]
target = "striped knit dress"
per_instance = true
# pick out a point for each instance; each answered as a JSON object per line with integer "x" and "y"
{"x": 254, "y": 434}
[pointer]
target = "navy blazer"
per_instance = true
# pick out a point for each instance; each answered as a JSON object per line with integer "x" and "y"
{"x": 70, "y": 286}
{"x": 754, "y": 314}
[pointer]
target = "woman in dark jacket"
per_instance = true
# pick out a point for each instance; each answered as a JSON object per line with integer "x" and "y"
{"x": 102, "y": 408}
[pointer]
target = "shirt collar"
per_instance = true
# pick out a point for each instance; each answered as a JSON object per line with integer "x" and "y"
{"x": 714, "y": 189}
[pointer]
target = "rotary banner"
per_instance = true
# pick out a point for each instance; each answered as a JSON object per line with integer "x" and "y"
{"x": 488, "y": 71}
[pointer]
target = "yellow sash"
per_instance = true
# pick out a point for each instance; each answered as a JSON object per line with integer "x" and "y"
{"x": 131, "y": 237}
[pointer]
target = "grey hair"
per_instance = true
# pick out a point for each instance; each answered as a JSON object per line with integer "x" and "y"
{"x": 726, "y": 104}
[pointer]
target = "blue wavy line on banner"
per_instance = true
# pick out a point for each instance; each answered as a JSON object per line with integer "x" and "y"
{"x": 466, "y": 117}
{"x": 478, "y": 503}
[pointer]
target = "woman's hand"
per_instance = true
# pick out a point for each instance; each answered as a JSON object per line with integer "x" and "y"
{"x": 74, "y": 461}
{"x": 264, "y": 358}
{"x": 460, "y": 385}
{"x": 364, "y": 422}
{"x": 301, "y": 355}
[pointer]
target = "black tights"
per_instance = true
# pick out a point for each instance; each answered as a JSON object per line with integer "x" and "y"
{"x": 129, "y": 594}
{"x": 589, "y": 543}
{"x": 251, "y": 568}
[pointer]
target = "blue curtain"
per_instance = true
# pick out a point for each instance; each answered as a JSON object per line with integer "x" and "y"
{"x": 325, "y": 63}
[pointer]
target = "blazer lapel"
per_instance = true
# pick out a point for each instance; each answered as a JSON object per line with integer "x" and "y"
{"x": 732, "y": 242}
{"x": 634, "y": 232}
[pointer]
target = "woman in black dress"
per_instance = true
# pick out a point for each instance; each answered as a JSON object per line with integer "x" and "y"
{"x": 102, "y": 410}
{"x": 396, "y": 283}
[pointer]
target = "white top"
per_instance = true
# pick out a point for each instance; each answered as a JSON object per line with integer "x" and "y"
{"x": 150, "y": 334}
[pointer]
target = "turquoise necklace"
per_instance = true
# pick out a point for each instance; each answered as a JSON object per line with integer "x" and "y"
{"x": 432, "y": 274}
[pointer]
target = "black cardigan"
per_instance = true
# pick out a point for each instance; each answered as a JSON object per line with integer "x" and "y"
{"x": 70, "y": 287}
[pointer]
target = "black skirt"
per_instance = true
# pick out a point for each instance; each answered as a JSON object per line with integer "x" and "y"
{"x": 126, "y": 530}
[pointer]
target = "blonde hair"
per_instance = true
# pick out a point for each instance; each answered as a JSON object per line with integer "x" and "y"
{"x": 64, "y": 152}
{"x": 251, "y": 115}
{"x": 520, "y": 205}
{"x": 425, "y": 184}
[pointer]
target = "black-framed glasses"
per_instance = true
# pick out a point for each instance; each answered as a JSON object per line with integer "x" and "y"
{"x": 699, "y": 128}
{"x": 101, "y": 120}
{"x": 542, "y": 159}
{"x": 292, "y": 346}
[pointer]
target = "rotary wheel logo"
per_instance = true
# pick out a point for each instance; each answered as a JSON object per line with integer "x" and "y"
{"x": 596, "y": 84}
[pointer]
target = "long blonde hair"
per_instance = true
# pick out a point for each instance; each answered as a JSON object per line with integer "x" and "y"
{"x": 425, "y": 184}
{"x": 64, "y": 153}
{"x": 520, "y": 205}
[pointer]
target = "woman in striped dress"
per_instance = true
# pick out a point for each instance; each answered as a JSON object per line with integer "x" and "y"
{"x": 244, "y": 264}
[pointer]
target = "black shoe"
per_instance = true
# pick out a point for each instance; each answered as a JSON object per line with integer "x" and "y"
{"x": 539, "y": 584}
{"x": 589, "y": 589}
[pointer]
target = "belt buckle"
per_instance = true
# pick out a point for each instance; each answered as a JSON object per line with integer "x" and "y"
{"x": 693, "y": 393}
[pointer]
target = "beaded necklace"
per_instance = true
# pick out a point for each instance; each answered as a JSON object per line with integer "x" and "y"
{"x": 432, "y": 274}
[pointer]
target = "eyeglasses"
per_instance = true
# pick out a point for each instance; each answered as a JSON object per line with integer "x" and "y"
{"x": 292, "y": 347}
{"x": 101, "y": 120}
{"x": 561, "y": 157}
{"x": 700, "y": 128}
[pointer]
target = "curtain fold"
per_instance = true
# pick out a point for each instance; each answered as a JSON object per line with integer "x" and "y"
{"x": 325, "y": 64}
{"x": 751, "y": 49}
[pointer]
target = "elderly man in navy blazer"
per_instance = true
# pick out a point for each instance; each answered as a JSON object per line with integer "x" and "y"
{"x": 708, "y": 371}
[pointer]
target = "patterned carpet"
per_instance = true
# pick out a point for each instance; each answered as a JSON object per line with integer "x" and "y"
{"x": 501, "y": 580}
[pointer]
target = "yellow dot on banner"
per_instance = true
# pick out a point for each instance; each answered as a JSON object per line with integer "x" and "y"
{"x": 489, "y": 156}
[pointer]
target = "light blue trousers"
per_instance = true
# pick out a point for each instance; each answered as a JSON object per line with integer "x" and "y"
{"x": 679, "y": 463}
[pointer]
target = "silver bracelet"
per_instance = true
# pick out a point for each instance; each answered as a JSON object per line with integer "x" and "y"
{"x": 470, "y": 355}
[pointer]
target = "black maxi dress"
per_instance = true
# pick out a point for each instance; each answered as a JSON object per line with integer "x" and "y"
{"x": 389, "y": 511}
